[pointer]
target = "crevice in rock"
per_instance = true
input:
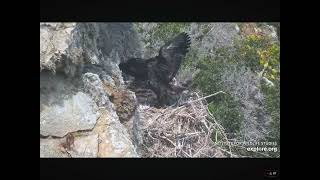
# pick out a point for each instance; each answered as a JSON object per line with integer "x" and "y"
{"x": 44, "y": 137}
{"x": 78, "y": 133}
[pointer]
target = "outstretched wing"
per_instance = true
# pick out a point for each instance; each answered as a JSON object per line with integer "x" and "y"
{"x": 172, "y": 54}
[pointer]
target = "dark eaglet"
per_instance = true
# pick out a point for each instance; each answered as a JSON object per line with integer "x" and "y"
{"x": 158, "y": 72}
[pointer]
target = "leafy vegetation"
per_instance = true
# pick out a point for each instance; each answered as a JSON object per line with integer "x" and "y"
{"x": 165, "y": 31}
{"x": 224, "y": 107}
{"x": 262, "y": 56}
{"x": 273, "y": 107}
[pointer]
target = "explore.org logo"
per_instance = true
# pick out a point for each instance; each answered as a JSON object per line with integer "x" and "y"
{"x": 254, "y": 146}
{"x": 263, "y": 149}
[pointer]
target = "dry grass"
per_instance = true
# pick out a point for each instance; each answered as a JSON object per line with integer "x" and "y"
{"x": 185, "y": 131}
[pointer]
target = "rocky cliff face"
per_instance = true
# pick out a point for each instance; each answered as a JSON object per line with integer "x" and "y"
{"x": 80, "y": 87}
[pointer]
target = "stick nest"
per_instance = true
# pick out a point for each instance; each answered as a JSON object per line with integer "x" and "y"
{"x": 185, "y": 131}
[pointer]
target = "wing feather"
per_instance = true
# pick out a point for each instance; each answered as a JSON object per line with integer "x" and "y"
{"x": 172, "y": 54}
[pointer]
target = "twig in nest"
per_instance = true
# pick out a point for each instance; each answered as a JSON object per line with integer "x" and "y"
{"x": 221, "y": 131}
{"x": 200, "y": 99}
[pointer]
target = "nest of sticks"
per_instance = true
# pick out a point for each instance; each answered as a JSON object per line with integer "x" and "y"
{"x": 188, "y": 131}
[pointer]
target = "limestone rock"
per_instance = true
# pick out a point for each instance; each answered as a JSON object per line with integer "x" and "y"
{"x": 76, "y": 60}
{"x": 94, "y": 87}
{"x": 51, "y": 148}
{"x": 55, "y": 38}
{"x": 114, "y": 139}
{"x": 74, "y": 114}
{"x": 86, "y": 146}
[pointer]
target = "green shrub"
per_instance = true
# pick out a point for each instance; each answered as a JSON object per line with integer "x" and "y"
{"x": 226, "y": 111}
{"x": 165, "y": 31}
{"x": 224, "y": 107}
{"x": 272, "y": 101}
{"x": 260, "y": 55}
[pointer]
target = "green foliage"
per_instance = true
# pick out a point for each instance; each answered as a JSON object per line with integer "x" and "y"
{"x": 210, "y": 72}
{"x": 159, "y": 34}
{"x": 165, "y": 31}
{"x": 226, "y": 111}
{"x": 189, "y": 59}
{"x": 206, "y": 28}
{"x": 162, "y": 31}
{"x": 261, "y": 55}
{"x": 224, "y": 107}
{"x": 272, "y": 101}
